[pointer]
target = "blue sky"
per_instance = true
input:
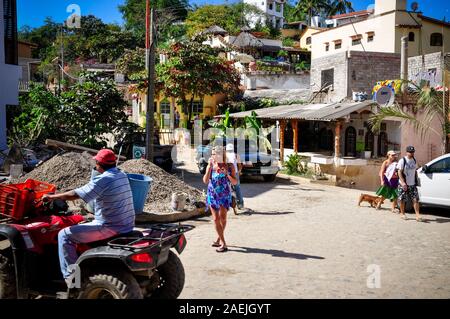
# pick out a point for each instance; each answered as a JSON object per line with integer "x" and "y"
{"x": 33, "y": 12}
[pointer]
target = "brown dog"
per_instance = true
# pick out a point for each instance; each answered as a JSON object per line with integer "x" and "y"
{"x": 374, "y": 201}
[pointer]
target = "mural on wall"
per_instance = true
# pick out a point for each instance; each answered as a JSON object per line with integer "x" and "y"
{"x": 433, "y": 76}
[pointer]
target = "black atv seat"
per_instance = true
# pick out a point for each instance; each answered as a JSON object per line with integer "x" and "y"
{"x": 104, "y": 242}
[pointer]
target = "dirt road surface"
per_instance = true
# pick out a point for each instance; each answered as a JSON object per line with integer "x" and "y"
{"x": 301, "y": 240}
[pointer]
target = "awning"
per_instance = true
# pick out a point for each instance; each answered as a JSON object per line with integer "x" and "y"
{"x": 316, "y": 112}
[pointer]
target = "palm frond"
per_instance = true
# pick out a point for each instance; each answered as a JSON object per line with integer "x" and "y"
{"x": 423, "y": 127}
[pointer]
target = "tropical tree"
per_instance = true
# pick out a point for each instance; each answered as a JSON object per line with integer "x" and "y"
{"x": 430, "y": 103}
{"x": 168, "y": 11}
{"x": 194, "y": 70}
{"x": 90, "y": 109}
{"x": 311, "y": 8}
{"x": 291, "y": 14}
{"x": 232, "y": 17}
{"x": 339, "y": 6}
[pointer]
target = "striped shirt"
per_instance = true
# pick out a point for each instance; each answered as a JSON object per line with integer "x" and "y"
{"x": 113, "y": 201}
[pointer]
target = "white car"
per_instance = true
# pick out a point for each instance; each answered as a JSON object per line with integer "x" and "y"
{"x": 434, "y": 181}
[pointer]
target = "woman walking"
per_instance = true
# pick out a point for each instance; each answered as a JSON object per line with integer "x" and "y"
{"x": 219, "y": 176}
{"x": 389, "y": 180}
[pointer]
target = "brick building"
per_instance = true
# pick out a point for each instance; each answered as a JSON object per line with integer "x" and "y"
{"x": 337, "y": 76}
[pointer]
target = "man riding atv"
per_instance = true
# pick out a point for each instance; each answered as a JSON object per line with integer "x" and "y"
{"x": 114, "y": 211}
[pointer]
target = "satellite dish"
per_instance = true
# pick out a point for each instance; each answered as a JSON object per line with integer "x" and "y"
{"x": 385, "y": 96}
{"x": 414, "y": 6}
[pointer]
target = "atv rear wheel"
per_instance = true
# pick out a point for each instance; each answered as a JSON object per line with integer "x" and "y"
{"x": 7, "y": 278}
{"x": 110, "y": 286}
{"x": 170, "y": 277}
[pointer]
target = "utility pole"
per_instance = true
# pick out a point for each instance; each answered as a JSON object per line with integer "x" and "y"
{"x": 150, "y": 55}
{"x": 62, "y": 58}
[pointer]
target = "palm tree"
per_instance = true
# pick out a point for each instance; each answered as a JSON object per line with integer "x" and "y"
{"x": 310, "y": 7}
{"x": 430, "y": 103}
{"x": 339, "y": 6}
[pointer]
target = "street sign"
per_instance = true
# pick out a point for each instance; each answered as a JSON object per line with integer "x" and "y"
{"x": 138, "y": 152}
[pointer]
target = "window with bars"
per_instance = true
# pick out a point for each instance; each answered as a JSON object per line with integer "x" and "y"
{"x": 10, "y": 24}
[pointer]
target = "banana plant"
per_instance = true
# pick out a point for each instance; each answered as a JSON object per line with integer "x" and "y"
{"x": 253, "y": 125}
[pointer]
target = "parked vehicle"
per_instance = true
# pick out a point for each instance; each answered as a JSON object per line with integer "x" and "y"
{"x": 137, "y": 265}
{"x": 434, "y": 181}
{"x": 162, "y": 153}
{"x": 256, "y": 161}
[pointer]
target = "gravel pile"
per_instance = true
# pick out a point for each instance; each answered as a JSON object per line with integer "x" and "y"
{"x": 67, "y": 171}
{"x": 72, "y": 170}
{"x": 164, "y": 184}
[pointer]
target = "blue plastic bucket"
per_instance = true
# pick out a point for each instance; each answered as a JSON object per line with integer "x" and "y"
{"x": 140, "y": 187}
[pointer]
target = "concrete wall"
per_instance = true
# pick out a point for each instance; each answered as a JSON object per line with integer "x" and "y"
{"x": 427, "y": 147}
{"x": 279, "y": 81}
{"x": 338, "y": 62}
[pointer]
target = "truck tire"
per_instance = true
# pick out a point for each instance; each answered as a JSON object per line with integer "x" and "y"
{"x": 7, "y": 278}
{"x": 171, "y": 278}
{"x": 110, "y": 286}
{"x": 269, "y": 178}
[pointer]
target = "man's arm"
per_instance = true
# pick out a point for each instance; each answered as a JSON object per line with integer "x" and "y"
{"x": 401, "y": 177}
{"x": 70, "y": 195}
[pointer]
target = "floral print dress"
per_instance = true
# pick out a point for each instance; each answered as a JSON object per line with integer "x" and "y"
{"x": 219, "y": 191}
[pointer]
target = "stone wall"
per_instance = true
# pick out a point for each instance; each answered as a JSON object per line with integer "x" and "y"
{"x": 278, "y": 81}
{"x": 337, "y": 62}
{"x": 367, "y": 68}
{"x": 428, "y": 68}
{"x": 280, "y": 96}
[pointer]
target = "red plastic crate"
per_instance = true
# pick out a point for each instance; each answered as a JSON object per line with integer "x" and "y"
{"x": 17, "y": 199}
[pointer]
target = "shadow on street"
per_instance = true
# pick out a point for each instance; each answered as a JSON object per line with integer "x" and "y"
{"x": 249, "y": 212}
{"x": 273, "y": 252}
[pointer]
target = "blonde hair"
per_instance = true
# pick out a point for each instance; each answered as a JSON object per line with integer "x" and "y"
{"x": 220, "y": 150}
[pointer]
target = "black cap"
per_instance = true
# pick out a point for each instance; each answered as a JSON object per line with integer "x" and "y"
{"x": 410, "y": 149}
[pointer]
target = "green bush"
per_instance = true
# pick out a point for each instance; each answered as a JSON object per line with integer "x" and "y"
{"x": 288, "y": 42}
{"x": 296, "y": 165}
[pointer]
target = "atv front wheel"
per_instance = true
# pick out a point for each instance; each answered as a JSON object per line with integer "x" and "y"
{"x": 110, "y": 286}
{"x": 7, "y": 278}
{"x": 170, "y": 277}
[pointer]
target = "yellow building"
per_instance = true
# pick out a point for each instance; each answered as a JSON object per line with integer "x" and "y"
{"x": 301, "y": 32}
{"x": 382, "y": 31}
{"x": 170, "y": 114}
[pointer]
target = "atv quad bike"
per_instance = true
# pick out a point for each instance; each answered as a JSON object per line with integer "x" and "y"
{"x": 137, "y": 265}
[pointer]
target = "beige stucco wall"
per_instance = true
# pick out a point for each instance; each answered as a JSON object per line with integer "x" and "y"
{"x": 422, "y": 36}
{"x": 384, "y": 40}
{"x": 387, "y": 35}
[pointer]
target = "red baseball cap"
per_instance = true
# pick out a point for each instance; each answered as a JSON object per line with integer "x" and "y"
{"x": 106, "y": 157}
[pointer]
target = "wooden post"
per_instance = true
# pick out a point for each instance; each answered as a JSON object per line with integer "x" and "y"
{"x": 294, "y": 124}
{"x": 282, "y": 129}
{"x": 337, "y": 139}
